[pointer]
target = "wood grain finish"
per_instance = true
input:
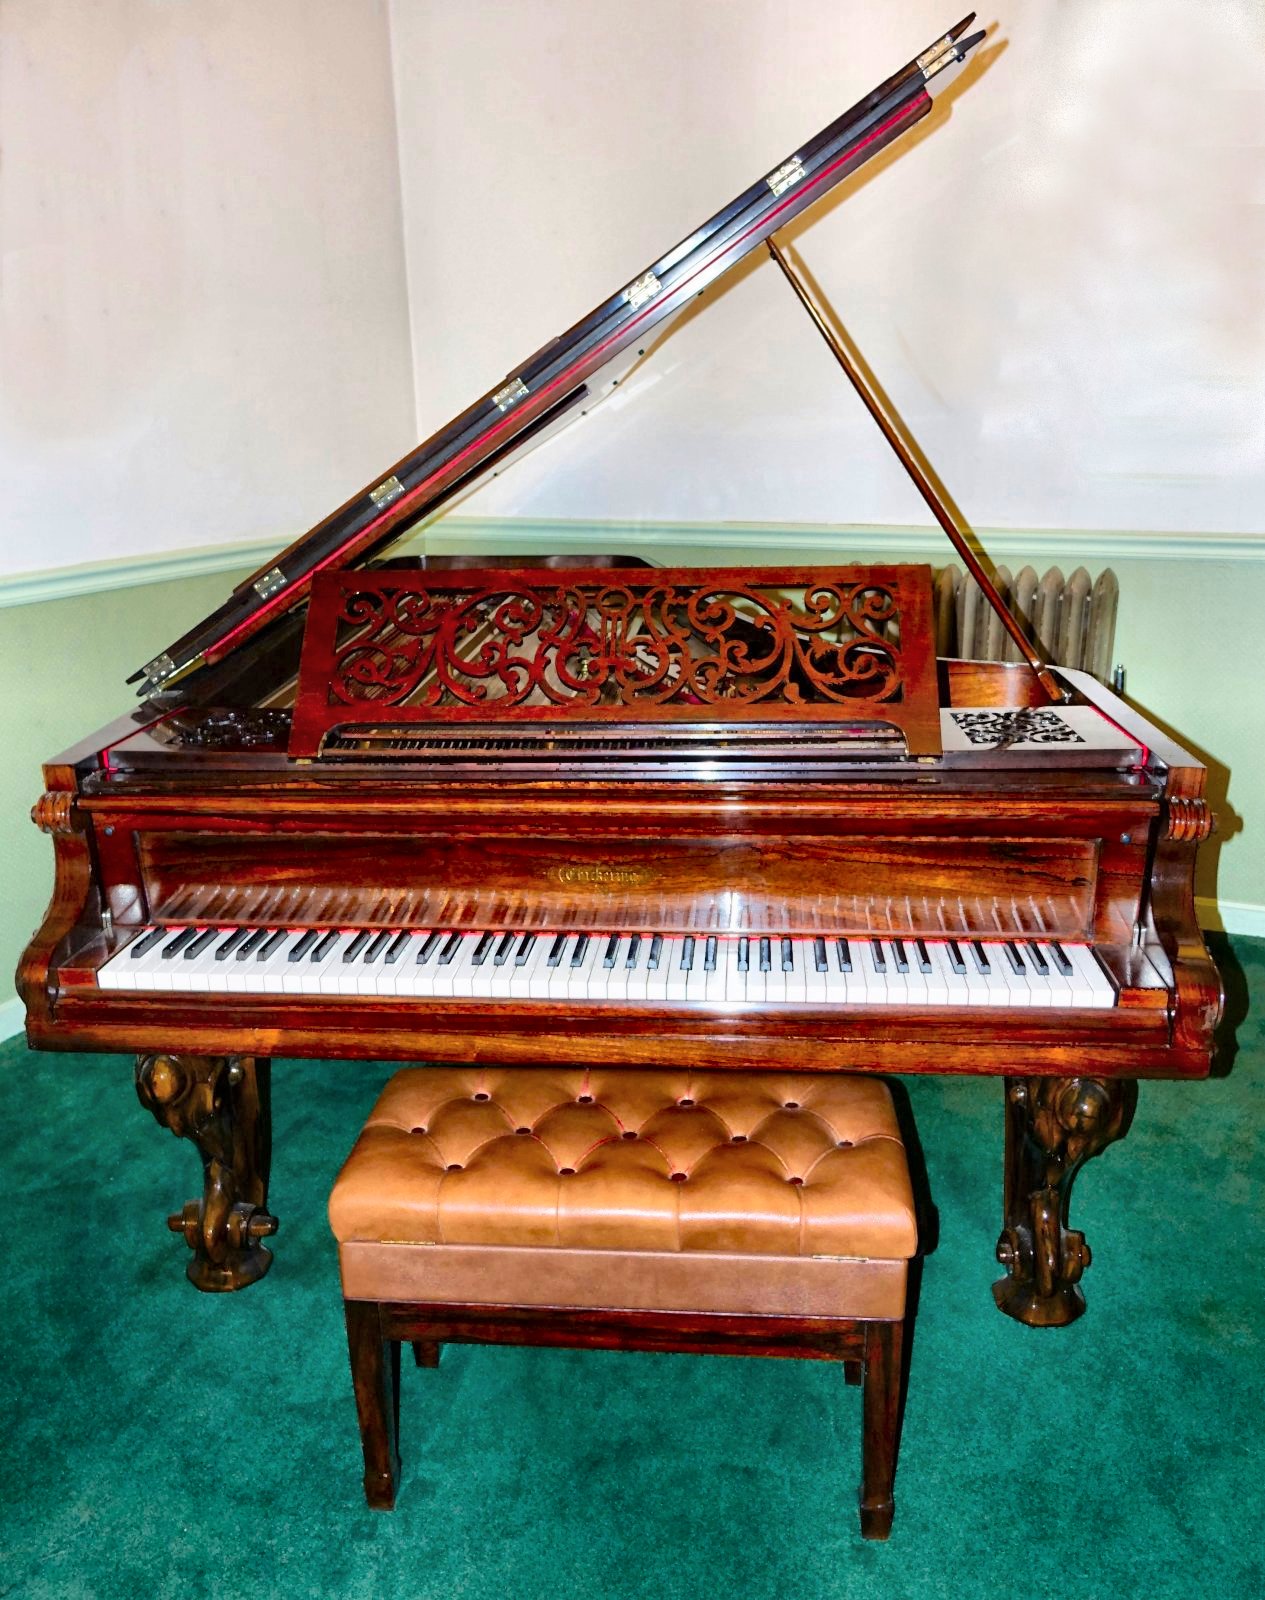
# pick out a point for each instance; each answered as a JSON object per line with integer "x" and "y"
{"x": 223, "y": 1106}
{"x": 1103, "y": 854}
{"x": 1053, "y": 1126}
{"x": 872, "y": 1350}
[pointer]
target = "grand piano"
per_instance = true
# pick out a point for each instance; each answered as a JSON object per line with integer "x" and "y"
{"x": 596, "y": 812}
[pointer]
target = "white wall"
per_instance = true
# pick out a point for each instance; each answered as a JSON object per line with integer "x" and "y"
{"x": 203, "y": 329}
{"x": 1059, "y": 283}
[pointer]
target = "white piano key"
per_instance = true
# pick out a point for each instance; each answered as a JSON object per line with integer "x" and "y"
{"x": 201, "y": 974}
{"x": 937, "y": 980}
{"x": 869, "y": 971}
{"x": 412, "y": 978}
{"x": 794, "y": 979}
{"x": 319, "y": 976}
{"x": 119, "y": 972}
{"x": 453, "y": 975}
{"x": 1090, "y": 984}
{"x": 657, "y": 969}
{"x": 677, "y": 984}
{"x": 581, "y": 982}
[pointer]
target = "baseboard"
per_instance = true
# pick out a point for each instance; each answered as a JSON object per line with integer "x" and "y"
{"x": 12, "y": 1018}
{"x": 1243, "y": 917}
{"x": 659, "y": 540}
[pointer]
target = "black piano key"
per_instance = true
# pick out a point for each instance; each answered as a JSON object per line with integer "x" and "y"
{"x": 451, "y": 945}
{"x": 252, "y": 943}
{"x": 200, "y": 943}
{"x": 271, "y": 944}
{"x": 481, "y": 950}
{"x": 377, "y": 945}
{"x": 525, "y": 947}
{"x": 581, "y": 947}
{"x": 820, "y": 959}
{"x": 744, "y": 954}
{"x": 397, "y": 947}
{"x": 902, "y": 960}
{"x": 556, "y": 949}
{"x": 223, "y": 951}
{"x": 1056, "y": 950}
{"x": 687, "y": 953}
{"x": 924, "y": 957}
{"x": 956, "y": 959}
{"x": 612, "y": 950}
{"x": 634, "y": 944}
{"x": 1037, "y": 959}
{"x": 766, "y": 954}
{"x": 1014, "y": 958}
{"x": 504, "y": 945}
{"x": 709, "y": 954}
{"x": 156, "y": 936}
{"x": 656, "y": 950}
{"x": 300, "y": 948}
{"x": 356, "y": 946}
{"x": 177, "y": 944}
{"x": 427, "y": 950}
{"x": 981, "y": 959}
{"x": 323, "y": 947}
{"x": 843, "y": 955}
{"x": 788, "y": 954}
{"x": 877, "y": 956}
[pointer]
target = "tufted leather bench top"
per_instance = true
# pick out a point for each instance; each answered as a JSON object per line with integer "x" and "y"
{"x": 658, "y": 1161}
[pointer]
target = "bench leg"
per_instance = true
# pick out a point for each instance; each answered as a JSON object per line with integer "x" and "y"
{"x": 425, "y": 1353}
{"x": 880, "y": 1399}
{"x": 375, "y": 1374}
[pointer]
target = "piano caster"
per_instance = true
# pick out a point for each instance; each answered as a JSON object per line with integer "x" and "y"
{"x": 1053, "y": 1126}
{"x": 221, "y": 1104}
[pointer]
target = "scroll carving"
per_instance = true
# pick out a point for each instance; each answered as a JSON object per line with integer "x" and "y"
{"x": 1190, "y": 821}
{"x": 1053, "y": 1126}
{"x": 221, "y": 1105}
{"x": 53, "y": 811}
{"x": 613, "y": 645}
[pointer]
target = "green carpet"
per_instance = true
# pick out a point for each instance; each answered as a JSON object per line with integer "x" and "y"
{"x": 158, "y": 1442}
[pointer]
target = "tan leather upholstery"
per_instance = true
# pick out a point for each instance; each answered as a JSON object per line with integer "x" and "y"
{"x": 621, "y": 1164}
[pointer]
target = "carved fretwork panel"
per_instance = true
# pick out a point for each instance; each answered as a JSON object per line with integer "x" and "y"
{"x": 843, "y": 645}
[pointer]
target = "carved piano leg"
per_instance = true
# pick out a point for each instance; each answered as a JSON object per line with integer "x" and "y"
{"x": 1053, "y": 1126}
{"x": 223, "y": 1105}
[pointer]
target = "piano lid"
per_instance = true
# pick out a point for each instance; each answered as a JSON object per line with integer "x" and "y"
{"x": 559, "y": 377}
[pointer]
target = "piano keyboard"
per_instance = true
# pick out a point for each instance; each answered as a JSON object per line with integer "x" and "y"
{"x": 621, "y": 968}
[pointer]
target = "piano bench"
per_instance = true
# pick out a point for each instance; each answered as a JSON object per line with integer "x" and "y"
{"x": 727, "y": 1212}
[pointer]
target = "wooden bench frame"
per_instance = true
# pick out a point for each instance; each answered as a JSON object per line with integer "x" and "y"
{"x": 871, "y": 1353}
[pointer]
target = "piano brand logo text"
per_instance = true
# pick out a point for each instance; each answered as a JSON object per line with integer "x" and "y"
{"x": 600, "y": 876}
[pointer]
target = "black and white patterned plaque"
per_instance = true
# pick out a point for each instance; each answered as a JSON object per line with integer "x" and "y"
{"x": 1058, "y": 732}
{"x": 1026, "y": 726}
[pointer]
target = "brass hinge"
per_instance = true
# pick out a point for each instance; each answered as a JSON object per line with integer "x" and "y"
{"x": 271, "y": 581}
{"x": 511, "y": 394}
{"x": 645, "y": 288}
{"x": 389, "y": 489}
{"x": 159, "y": 669}
{"x": 786, "y": 176}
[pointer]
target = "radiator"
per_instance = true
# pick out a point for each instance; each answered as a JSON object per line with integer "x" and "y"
{"x": 1072, "y": 620}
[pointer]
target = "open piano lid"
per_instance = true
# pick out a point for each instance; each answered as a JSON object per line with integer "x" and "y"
{"x": 555, "y": 381}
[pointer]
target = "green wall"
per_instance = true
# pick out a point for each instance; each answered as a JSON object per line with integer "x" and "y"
{"x": 1189, "y": 633}
{"x": 62, "y": 667}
